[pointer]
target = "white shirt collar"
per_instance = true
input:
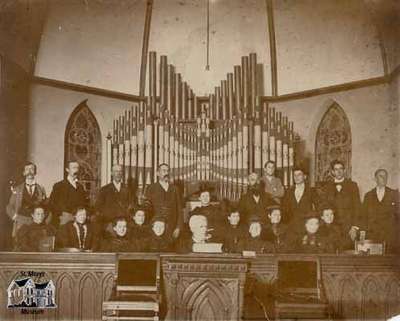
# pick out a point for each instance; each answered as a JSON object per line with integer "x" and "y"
{"x": 72, "y": 181}
{"x": 268, "y": 177}
{"x": 117, "y": 185}
{"x": 300, "y": 186}
{"x": 30, "y": 182}
{"x": 164, "y": 185}
{"x": 339, "y": 180}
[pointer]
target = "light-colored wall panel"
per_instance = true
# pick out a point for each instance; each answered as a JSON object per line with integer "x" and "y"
{"x": 323, "y": 43}
{"x": 93, "y": 43}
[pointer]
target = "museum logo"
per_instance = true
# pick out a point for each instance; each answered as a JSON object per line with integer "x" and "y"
{"x": 32, "y": 292}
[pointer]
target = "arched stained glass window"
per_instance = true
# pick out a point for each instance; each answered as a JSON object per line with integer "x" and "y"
{"x": 83, "y": 144}
{"x": 333, "y": 141}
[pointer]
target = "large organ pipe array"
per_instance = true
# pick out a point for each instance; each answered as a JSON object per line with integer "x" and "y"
{"x": 221, "y": 138}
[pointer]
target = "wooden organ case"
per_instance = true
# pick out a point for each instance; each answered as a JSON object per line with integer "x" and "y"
{"x": 220, "y": 138}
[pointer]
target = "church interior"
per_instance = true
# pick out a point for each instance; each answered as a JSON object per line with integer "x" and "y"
{"x": 139, "y": 83}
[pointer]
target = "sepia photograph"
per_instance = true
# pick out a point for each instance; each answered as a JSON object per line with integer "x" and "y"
{"x": 200, "y": 160}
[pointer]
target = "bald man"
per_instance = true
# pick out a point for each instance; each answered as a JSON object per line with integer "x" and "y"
{"x": 114, "y": 199}
{"x": 254, "y": 203}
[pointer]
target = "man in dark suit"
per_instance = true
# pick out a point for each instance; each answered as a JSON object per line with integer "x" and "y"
{"x": 24, "y": 198}
{"x": 299, "y": 200}
{"x": 66, "y": 196}
{"x": 77, "y": 234}
{"x": 380, "y": 213}
{"x": 343, "y": 193}
{"x": 114, "y": 199}
{"x": 254, "y": 203}
{"x": 165, "y": 201}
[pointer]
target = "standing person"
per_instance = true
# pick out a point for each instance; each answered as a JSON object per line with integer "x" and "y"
{"x": 67, "y": 195}
{"x": 114, "y": 199}
{"x": 272, "y": 184}
{"x": 255, "y": 201}
{"x": 344, "y": 195}
{"x": 380, "y": 214}
{"x": 299, "y": 200}
{"x": 165, "y": 201}
{"x": 24, "y": 198}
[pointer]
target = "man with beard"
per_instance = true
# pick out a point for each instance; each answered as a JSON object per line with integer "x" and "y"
{"x": 66, "y": 196}
{"x": 24, "y": 198}
{"x": 165, "y": 201}
{"x": 114, "y": 199}
{"x": 253, "y": 204}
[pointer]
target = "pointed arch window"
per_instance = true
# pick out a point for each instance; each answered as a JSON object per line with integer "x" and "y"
{"x": 333, "y": 141}
{"x": 83, "y": 144}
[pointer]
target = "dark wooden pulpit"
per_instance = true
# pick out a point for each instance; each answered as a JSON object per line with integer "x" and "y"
{"x": 204, "y": 287}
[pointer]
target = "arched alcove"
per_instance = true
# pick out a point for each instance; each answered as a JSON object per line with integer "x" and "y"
{"x": 333, "y": 141}
{"x": 83, "y": 143}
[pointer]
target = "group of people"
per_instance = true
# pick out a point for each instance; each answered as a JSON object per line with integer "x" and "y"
{"x": 267, "y": 219}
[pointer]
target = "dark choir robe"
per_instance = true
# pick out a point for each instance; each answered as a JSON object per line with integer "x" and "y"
{"x": 293, "y": 212}
{"x": 112, "y": 203}
{"x": 154, "y": 243}
{"x": 232, "y": 234}
{"x": 215, "y": 221}
{"x": 166, "y": 204}
{"x": 69, "y": 237}
{"x": 138, "y": 232}
{"x": 116, "y": 243}
{"x": 256, "y": 244}
{"x": 381, "y": 218}
{"x": 277, "y": 235}
{"x": 346, "y": 202}
{"x": 333, "y": 235}
{"x": 249, "y": 208}
{"x": 309, "y": 243}
{"x": 30, "y": 236}
{"x": 66, "y": 198}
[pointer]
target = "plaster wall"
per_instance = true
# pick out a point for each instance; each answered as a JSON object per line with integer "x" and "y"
{"x": 374, "y": 121}
{"x": 323, "y": 43}
{"x": 93, "y": 43}
{"x": 237, "y": 28}
{"x": 50, "y": 109}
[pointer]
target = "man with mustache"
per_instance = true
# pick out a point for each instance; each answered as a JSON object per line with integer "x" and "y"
{"x": 67, "y": 195}
{"x": 254, "y": 203}
{"x": 165, "y": 201}
{"x": 24, "y": 198}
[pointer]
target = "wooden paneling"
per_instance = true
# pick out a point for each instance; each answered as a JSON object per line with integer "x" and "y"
{"x": 204, "y": 286}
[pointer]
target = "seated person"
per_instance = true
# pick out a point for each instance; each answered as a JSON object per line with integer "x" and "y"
{"x": 199, "y": 234}
{"x": 310, "y": 239}
{"x": 158, "y": 240}
{"x": 330, "y": 229}
{"x": 275, "y": 231}
{"x": 119, "y": 241}
{"x": 137, "y": 227}
{"x": 234, "y": 231}
{"x": 30, "y": 237}
{"x": 77, "y": 234}
{"x": 253, "y": 240}
{"x": 213, "y": 214}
